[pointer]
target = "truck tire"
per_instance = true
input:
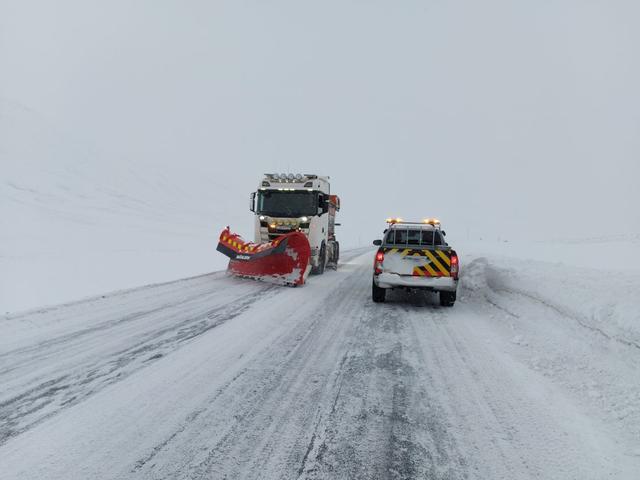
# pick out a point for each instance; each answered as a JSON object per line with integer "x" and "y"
{"x": 335, "y": 255}
{"x": 322, "y": 261}
{"x": 377, "y": 294}
{"x": 447, "y": 299}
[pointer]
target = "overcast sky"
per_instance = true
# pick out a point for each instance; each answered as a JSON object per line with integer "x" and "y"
{"x": 501, "y": 117}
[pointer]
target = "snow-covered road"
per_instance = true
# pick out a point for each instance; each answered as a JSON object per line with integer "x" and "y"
{"x": 213, "y": 377}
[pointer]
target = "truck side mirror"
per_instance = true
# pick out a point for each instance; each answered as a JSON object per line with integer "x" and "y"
{"x": 377, "y": 243}
{"x": 444, "y": 234}
{"x": 252, "y": 202}
{"x": 323, "y": 204}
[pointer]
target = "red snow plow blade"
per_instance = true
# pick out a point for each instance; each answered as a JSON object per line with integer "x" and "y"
{"x": 285, "y": 260}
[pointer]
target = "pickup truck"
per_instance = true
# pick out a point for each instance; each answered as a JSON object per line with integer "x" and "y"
{"x": 414, "y": 255}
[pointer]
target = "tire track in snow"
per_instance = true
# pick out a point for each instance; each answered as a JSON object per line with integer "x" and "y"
{"x": 164, "y": 317}
{"x": 243, "y": 425}
{"x": 381, "y": 425}
{"x": 46, "y": 399}
{"x": 510, "y": 420}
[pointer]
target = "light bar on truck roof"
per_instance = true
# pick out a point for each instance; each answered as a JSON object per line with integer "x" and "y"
{"x": 288, "y": 177}
{"x": 434, "y": 222}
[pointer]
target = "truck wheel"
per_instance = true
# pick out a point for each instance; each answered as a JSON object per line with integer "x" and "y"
{"x": 377, "y": 294}
{"x": 335, "y": 256}
{"x": 322, "y": 261}
{"x": 447, "y": 299}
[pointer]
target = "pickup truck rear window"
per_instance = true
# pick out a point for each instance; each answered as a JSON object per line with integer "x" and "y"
{"x": 413, "y": 237}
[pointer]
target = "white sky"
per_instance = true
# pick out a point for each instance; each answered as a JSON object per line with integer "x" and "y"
{"x": 501, "y": 117}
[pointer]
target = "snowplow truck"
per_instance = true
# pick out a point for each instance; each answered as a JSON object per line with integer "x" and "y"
{"x": 295, "y": 222}
{"x": 287, "y": 203}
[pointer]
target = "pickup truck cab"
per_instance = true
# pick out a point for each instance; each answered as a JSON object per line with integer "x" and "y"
{"x": 414, "y": 255}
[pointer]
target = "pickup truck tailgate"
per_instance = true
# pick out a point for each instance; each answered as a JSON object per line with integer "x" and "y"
{"x": 418, "y": 262}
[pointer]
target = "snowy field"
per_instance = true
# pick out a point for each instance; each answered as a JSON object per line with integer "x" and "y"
{"x": 534, "y": 373}
{"x": 72, "y": 224}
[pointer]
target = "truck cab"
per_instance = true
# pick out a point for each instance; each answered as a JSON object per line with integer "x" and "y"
{"x": 285, "y": 203}
{"x": 414, "y": 255}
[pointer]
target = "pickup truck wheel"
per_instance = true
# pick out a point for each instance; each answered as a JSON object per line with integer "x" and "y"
{"x": 447, "y": 299}
{"x": 377, "y": 294}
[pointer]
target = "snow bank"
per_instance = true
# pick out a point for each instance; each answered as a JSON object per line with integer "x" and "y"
{"x": 604, "y": 300}
{"x": 605, "y": 252}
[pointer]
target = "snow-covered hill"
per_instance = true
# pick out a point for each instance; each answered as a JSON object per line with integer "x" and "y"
{"x": 74, "y": 223}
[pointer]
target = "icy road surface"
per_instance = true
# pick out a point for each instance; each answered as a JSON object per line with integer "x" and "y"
{"x": 214, "y": 377}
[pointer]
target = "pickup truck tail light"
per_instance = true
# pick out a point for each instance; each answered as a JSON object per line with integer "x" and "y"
{"x": 454, "y": 265}
{"x": 377, "y": 266}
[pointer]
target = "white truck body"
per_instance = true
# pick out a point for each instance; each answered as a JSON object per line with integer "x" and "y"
{"x": 287, "y": 202}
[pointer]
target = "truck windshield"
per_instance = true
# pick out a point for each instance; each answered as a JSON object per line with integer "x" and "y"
{"x": 287, "y": 204}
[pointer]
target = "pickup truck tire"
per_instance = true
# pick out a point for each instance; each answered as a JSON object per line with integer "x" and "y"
{"x": 377, "y": 294}
{"x": 447, "y": 299}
